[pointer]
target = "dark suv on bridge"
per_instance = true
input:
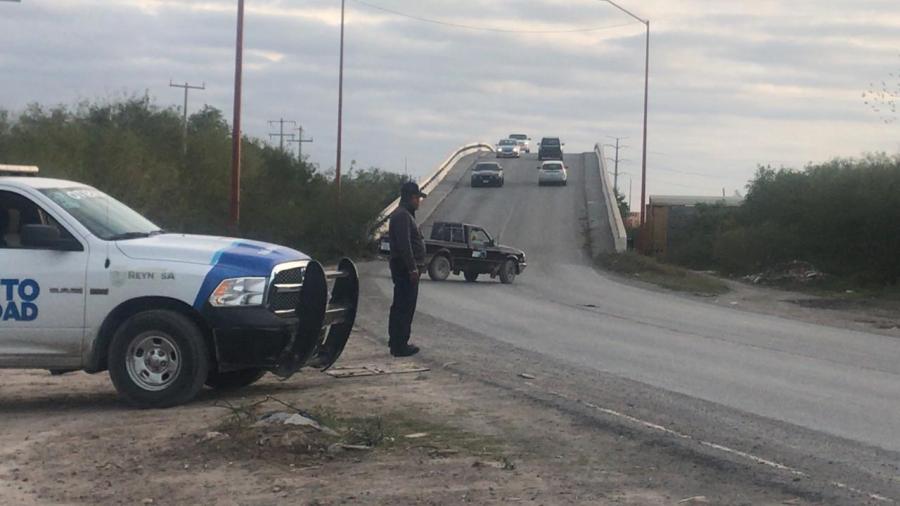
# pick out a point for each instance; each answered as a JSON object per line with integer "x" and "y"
{"x": 550, "y": 149}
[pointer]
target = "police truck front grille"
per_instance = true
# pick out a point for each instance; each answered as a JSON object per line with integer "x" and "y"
{"x": 289, "y": 276}
{"x": 284, "y": 293}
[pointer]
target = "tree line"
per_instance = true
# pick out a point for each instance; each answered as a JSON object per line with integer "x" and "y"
{"x": 842, "y": 216}
{"x": 134, "y": 150}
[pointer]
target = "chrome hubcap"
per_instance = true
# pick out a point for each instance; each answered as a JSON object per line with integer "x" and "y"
{"x": 153, "y": 361}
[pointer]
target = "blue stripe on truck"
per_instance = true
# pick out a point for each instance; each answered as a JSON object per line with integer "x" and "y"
{"x": 243, "y": 259}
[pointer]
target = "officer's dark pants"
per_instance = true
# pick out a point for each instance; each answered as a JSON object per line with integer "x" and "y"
{"x": 404, "y": 307}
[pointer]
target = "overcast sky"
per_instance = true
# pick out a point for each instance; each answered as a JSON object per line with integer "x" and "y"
{"x": 733, "y": 83}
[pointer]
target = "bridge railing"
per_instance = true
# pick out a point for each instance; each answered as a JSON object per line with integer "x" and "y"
{"x": 431, "y": 182}
{"x": 616, "y": 225}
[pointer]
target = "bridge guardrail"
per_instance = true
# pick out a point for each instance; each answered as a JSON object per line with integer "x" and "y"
{"x": 430, "y": 183}
{"x": 617, "y": 226}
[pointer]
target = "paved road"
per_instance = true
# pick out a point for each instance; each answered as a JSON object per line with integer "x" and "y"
{"x": 836, "y": 384}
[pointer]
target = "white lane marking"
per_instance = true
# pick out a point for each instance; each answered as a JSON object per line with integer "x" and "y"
{"x": 715, "y": 446}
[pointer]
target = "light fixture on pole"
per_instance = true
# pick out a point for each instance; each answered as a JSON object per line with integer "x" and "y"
{"x": 235, "y": 206}
{"x": 646, "y": 23}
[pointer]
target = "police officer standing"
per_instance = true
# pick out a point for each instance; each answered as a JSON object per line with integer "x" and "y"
{"x": 407, "y": 261}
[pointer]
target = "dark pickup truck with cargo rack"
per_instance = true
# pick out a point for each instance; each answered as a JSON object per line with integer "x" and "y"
{"x": 468, "y": 249}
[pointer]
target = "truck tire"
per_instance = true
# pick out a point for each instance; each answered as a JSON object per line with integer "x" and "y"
{"x": 471, "y": 277}
{"x": 439, "y": 268}
{"x": 233, "y": 379}
{"x": 158, "y": 359}
{"x": 508, "y": 272}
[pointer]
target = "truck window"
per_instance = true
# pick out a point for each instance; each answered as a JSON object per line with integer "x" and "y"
{"x": 17, "y": 210}
{"x": 457, "y": 235}
{"x": 104, "y": 216}
{"x": 478, "y": 238}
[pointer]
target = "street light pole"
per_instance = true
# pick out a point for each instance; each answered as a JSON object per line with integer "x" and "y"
{"x": 235, "y": 207}
{"x": 646, "y": 23}
{"x": 337, "y": 169}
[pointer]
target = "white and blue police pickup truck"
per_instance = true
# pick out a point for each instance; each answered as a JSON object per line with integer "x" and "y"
{"x": 87, "y": 283}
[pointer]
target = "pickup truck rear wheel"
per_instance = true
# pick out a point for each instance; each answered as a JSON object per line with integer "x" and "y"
{"x": 439, "y": 268}
{"x": 508, "y": 272}
{"x": 157, "y": 359}
{"x": 471, "y": 277}
{"x": 233, "y": 379}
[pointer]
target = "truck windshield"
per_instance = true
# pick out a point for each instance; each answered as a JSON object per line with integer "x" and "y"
{"x": 104, "y": 216}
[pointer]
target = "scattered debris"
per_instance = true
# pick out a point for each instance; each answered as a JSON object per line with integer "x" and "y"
{"x": 416, "y": 435}
{"x": 340, "y": 447}
{"x": 795, "y": 271}
{"x": 304, "y": 421}
{"x": 449, "y": 364}
{"x": 443, "y": 452}
{"x": 374, "y": 370}
{"x": 214, "y": 436}
{"x": 505, "y": 464}
{"x": 697, "y": 499}
{"x": 527, "y": 376}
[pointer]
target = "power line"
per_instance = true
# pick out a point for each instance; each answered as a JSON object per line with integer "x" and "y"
{"x": 281, "y": 135}
{"x": 187, "y": 87}
{"x": 486, "y": 28}
{"x": 300, "y": 140}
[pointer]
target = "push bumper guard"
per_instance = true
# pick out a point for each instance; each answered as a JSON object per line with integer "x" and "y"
{"x": 314, "y": 337}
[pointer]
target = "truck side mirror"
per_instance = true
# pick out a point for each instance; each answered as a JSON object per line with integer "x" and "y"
{"x": 47, "y": 237}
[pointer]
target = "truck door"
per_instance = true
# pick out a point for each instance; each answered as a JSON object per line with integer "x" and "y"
{"x": 478, "y": 243}
{"x": 42, "y": 288}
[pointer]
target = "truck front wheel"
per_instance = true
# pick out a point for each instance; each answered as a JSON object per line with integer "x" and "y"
{"x": 157, "y": 359}
{"x": 439, "y": 268}
{"x": 508, "y": 272}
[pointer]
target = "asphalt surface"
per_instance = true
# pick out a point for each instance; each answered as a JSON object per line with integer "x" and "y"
{"x": 822, "y": 401}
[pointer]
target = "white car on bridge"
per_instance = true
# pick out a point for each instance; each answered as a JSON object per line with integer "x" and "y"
{"x": 553, "y": 172}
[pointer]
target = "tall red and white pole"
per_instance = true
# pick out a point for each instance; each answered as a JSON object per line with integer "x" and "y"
{"x": 235, "y": 205}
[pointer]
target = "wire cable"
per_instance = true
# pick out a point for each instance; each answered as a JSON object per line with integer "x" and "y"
{"x": 485, "y": 28}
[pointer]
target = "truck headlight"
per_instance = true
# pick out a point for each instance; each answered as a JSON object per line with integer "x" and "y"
{"x": 236, "y": 292}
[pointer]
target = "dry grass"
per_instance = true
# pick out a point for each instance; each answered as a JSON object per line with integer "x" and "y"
{"x": 667, "y": 276}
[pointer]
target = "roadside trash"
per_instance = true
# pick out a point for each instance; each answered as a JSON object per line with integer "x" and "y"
{"x": 697, "y": 499}
{"x": 795, "y": 271}
{"x": 527, "y": 376}
{"x": 296, "y": 419}
{"x": 416, "y": 435}
{"x": 215, "y": 436}
{"x": 340, "y": 447}
{"x": 374, "y": 370}
{"x": 443, "y": 452}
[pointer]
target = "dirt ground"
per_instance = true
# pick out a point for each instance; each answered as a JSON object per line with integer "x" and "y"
{"x": 68, "y": 440}
{"x": 862, "y": 314}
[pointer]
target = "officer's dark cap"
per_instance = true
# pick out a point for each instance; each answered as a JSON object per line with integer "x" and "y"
{"x": 411, "y": 189}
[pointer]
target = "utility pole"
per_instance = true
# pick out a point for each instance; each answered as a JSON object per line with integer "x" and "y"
{"x": 187, "y": 87}
{"x": 300, "y": 140}
{"x": 646, "y": 23}
{"x": 337, "y": 169}
{"x": 617, "y": 160}
{"x": 235, "y": 204}
{"x": 281, "y": 135}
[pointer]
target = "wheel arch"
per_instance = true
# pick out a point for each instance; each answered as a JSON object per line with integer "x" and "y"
{"x": 444, "y": 252}
{"x": 97, "y": 361}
